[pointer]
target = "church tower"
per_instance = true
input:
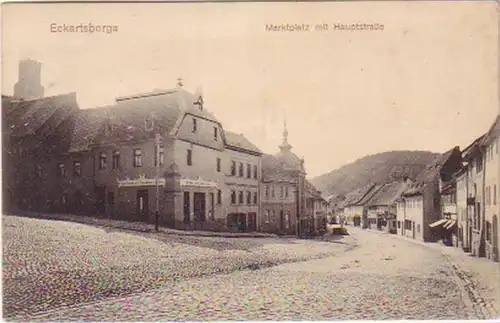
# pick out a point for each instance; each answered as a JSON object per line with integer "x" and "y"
{"x": 29, "y": 85}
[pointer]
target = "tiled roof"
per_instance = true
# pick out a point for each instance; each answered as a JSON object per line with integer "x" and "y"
{"x": 388, "y": 194}
{"x": 240, "y": 141}
{"x": 290, "y": 160}
{"x": 355, "y": 196}
{"x": 493, "y": 132}
{"x": 430, "y": 173}
{"x": 25, "y": 117}
{"x": 86, "y": 127}
{"x": 472, "y": 148}
{"x": 369, "y": 195}
{"x": 272, "y": 170}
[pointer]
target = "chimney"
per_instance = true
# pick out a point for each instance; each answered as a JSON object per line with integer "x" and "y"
{"x": 29, "y": 86}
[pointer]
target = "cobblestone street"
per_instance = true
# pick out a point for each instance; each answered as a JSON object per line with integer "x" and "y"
{"x": 383, "y": 278}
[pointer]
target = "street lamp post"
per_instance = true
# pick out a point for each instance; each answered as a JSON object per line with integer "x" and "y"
{"x": 157, "y": 157}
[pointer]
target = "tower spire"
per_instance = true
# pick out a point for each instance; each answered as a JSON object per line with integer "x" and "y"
{"x": 285, "y": 146}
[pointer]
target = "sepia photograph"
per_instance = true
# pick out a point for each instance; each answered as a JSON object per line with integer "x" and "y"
{"x": 250, "y": 161}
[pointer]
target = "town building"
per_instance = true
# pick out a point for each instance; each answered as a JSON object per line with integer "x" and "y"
{"x": 354, "y": 205}
{"x": 464, "y": 235}
{"x": 381, "y": 208}
{"x": 420, "y": 205}
{"x": 490, "y": 144}
{"x": 160, "y": 152}
{"x": 475, "y": 162}
{"x": 288, "y": 199}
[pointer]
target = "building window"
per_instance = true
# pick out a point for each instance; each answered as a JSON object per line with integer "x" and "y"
{"x": 218, "y": 164}
{"x": 479, "y": 164}
{"x": 137, "y": 158}
{"x": 255, "y": 198}
{"x": 282, "y": 191}
{"x": 272, "y": 192}
{"x": 233, "y": 197}
{"x": 62, "y": 171}
{"x": 241, "y": 170}
{"x": 216, "y": 133}
{"x": 399, "y": 224}
{"x": 116, "y": 160}
{"x": 418, "y": 228}
{"x": 255, "y": 174}
{"x": 233, "y": 168}
{"x": 488, "y": 231}
{"x": 64, "y": 199}
{"x": 266, "y": 191}
{"x": 77, "y": 169}
{"x": 195, "y": 126}
{"x": 249, "y": 198}
{"x": 102, "y": 161}
{"x": 286, "y": 191}
{"x": 159, "y": 156}
{"x": 240, "y": 197}
{"x": 249, "y": 171}
{"x": 219, "y": 197}
{"x": 266, "y": 216}
{"x": 495, "y": 194}
{"x": 189, "y": 157}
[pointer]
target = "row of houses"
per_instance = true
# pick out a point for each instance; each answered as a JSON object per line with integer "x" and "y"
{"x": 456, "y": 199}
{"x": 161, "y": 151}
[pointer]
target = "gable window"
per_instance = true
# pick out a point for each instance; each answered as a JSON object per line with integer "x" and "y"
{"x": 249, "y": 171}
{"x": 216, "y": 133}
{"x": 255, "y": 175}
{"x": 240, "y": 197}
{"x": 149, "y": 124}
{"x": 233, "y": 197}
{"x": 77, "y": 169}
{"x": 218, "y": 164}
{"x": 233, "y": 168}
{"x": 249, "y": 198}
{"x": 115, "y": 160}
{"x": 195, "y": 126}
{"x": 137, "y": 158}
{"x": 255, "y": 198}
{"x": 62, "y": 171}
{"x": 219, "y": 197}
{"x": 159, "y": 157}
{"x": 241, "y": 170}
{"x": 102, "y": 161}
{"x": 189, "y": 157}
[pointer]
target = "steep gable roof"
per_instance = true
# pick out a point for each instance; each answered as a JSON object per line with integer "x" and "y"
{"x": 388, "y": 194}
{"x": 430, "y": 172}
{"x": 239, "y": 141}
{"x": 26, "y": 117}
{"x": 493, "y": 132}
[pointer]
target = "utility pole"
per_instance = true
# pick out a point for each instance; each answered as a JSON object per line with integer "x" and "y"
{"x": 157, "y": 157}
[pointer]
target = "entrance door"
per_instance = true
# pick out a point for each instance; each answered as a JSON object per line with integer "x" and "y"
{"x": 282, "y": 220}
{"x": 212, "y": 206}
{"x": 199, "y": 206}
{"x": 142, "y": 204}
{"x": 100, "y": 199}
{"x": 252, "y": 222}
{"x": 187, "y": 208}
{"x": 242, "y": 222}
{"x": 111, "y": 203}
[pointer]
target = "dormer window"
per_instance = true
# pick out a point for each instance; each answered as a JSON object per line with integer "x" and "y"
{"x": 216, "y": 133}
{"x": 195, "y": 126}
{"x": 149, "y": 123}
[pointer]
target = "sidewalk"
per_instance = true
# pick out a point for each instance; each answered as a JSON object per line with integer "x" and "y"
{"x": 138, "y": 226}
{"x": 481, "y": 274}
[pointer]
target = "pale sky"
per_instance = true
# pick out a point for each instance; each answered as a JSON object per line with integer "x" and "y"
{"x": 428, "y": 81}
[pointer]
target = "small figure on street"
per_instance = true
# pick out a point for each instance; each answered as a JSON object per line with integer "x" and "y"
{"x": 157, "y": 221}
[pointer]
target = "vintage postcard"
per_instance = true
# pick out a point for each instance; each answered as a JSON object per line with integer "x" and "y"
{"x": 253, "y": 161}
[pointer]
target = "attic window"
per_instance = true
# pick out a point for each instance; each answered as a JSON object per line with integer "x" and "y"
{"x": 149, "y": 123}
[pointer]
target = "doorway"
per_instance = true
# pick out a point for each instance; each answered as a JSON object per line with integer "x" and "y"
{"x": 199, "y": 207}
{"x": 142, "y": 204}
{"x": 242, "y": 222}
{"x": 100, "y": 199}
{"x": 282, "y": 220}
{"x": 252, "y": 222}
